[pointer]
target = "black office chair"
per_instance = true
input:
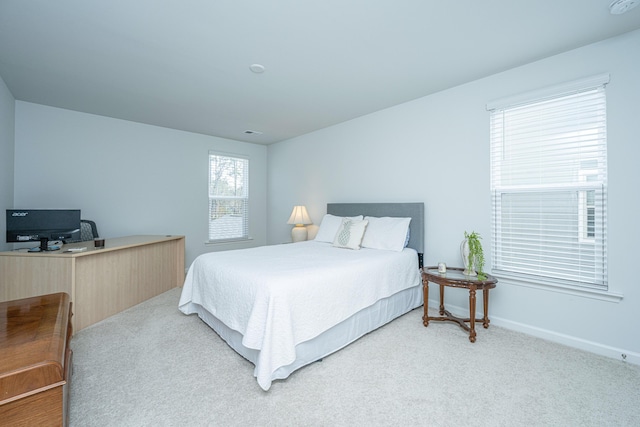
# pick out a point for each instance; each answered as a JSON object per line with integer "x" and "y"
{"x": 88, "y": 230}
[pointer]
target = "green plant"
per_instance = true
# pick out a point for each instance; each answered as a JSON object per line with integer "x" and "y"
{"x": 476, "y": 254}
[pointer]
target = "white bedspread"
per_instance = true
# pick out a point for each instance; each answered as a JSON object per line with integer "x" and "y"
{"x": 282, "y": 295}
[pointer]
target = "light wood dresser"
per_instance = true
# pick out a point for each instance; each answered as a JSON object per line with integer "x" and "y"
{"x": 35, "y": 360}
{"x": 100, "y": 282}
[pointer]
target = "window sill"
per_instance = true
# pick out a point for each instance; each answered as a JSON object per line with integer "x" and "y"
{"x": 226, "y": 242}
{"x": 585, "y": 293}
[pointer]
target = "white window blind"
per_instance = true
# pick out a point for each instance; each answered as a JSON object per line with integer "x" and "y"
{"x": 549, "y": 189}
{"x": 228, "y": 198}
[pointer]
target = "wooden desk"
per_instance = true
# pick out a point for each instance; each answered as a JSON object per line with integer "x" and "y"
{"x": 100, "y": 282}
{"x": 35, "y": 361}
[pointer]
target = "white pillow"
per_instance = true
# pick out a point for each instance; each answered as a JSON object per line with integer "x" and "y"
{"x": 387, "y": 233}
{"x": 329, "y": 227}
{"x": 350, "y": 233}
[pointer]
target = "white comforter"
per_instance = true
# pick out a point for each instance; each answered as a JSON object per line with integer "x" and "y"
{"x": 282, "y": 295}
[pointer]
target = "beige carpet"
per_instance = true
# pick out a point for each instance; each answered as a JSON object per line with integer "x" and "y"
{"x": 153, "y": 366}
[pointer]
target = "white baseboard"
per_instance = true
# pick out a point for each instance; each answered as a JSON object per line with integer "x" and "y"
{"x": 568, "y": 340}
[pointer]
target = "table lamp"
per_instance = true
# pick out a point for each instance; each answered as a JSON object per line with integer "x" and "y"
{"x": 300, "y": 218}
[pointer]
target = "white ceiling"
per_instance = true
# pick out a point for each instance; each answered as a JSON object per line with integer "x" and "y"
{"x": 184, "y": 64}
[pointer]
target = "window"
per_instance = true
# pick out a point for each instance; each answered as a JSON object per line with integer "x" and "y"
{"x": 228, "y": 198}
{"x": 549, "y": 187}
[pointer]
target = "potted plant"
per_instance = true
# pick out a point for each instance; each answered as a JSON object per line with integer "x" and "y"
{"x": 472, "y": 255}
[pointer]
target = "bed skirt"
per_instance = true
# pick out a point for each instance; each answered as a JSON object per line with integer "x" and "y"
{"x": 330, "y": 341}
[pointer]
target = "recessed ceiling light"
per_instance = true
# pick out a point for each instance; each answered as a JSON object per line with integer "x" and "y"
{"x": 619, "y": 7}
{"x": 257, "y": 68}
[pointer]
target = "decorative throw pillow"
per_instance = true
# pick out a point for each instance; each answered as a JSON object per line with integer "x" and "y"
{"x": 329, "y": 227}
{"x": 388, "y": 233}
{"x": 350, "y": 233}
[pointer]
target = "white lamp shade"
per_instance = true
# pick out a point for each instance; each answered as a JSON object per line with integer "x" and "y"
{"x": 299, "y": 216}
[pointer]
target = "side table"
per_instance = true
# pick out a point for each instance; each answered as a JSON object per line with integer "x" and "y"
{"x": 455, "y": 279}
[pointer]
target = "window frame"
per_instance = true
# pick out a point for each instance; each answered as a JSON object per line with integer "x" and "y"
{"x": 581, "y": 186}
{"x": 243, "y": 198}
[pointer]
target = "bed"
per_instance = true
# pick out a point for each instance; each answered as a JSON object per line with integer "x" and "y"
{"x": 285, "y": 306}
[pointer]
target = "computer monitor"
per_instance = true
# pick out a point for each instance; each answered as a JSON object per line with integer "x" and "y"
{"x": 34, "y": 225}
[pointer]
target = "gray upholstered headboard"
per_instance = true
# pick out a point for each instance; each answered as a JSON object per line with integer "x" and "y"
{"x": 413, "y": 210}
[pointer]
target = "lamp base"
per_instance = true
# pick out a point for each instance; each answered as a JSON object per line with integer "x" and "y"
{"x": 299, "y": 233}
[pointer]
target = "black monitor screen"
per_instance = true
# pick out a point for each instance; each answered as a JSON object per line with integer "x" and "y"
{"x": 31, "y": 225}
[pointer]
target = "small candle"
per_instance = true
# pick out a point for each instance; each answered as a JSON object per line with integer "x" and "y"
{"x": 442, "y": 267}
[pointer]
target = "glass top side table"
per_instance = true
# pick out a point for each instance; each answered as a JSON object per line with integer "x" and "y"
{"x": 455, "y": 279}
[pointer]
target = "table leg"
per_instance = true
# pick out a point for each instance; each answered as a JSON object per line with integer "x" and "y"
{"x": 485, "y": 298}
{"x": 441, "y": 300}
{"x": 425, "y": 292}
{"x": 472, "y": 313}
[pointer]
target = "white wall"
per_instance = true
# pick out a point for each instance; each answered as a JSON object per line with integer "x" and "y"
{"x": 436, "y": 150}
{"x": 7, "y": 118}
{"x": 129, "y": 177}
